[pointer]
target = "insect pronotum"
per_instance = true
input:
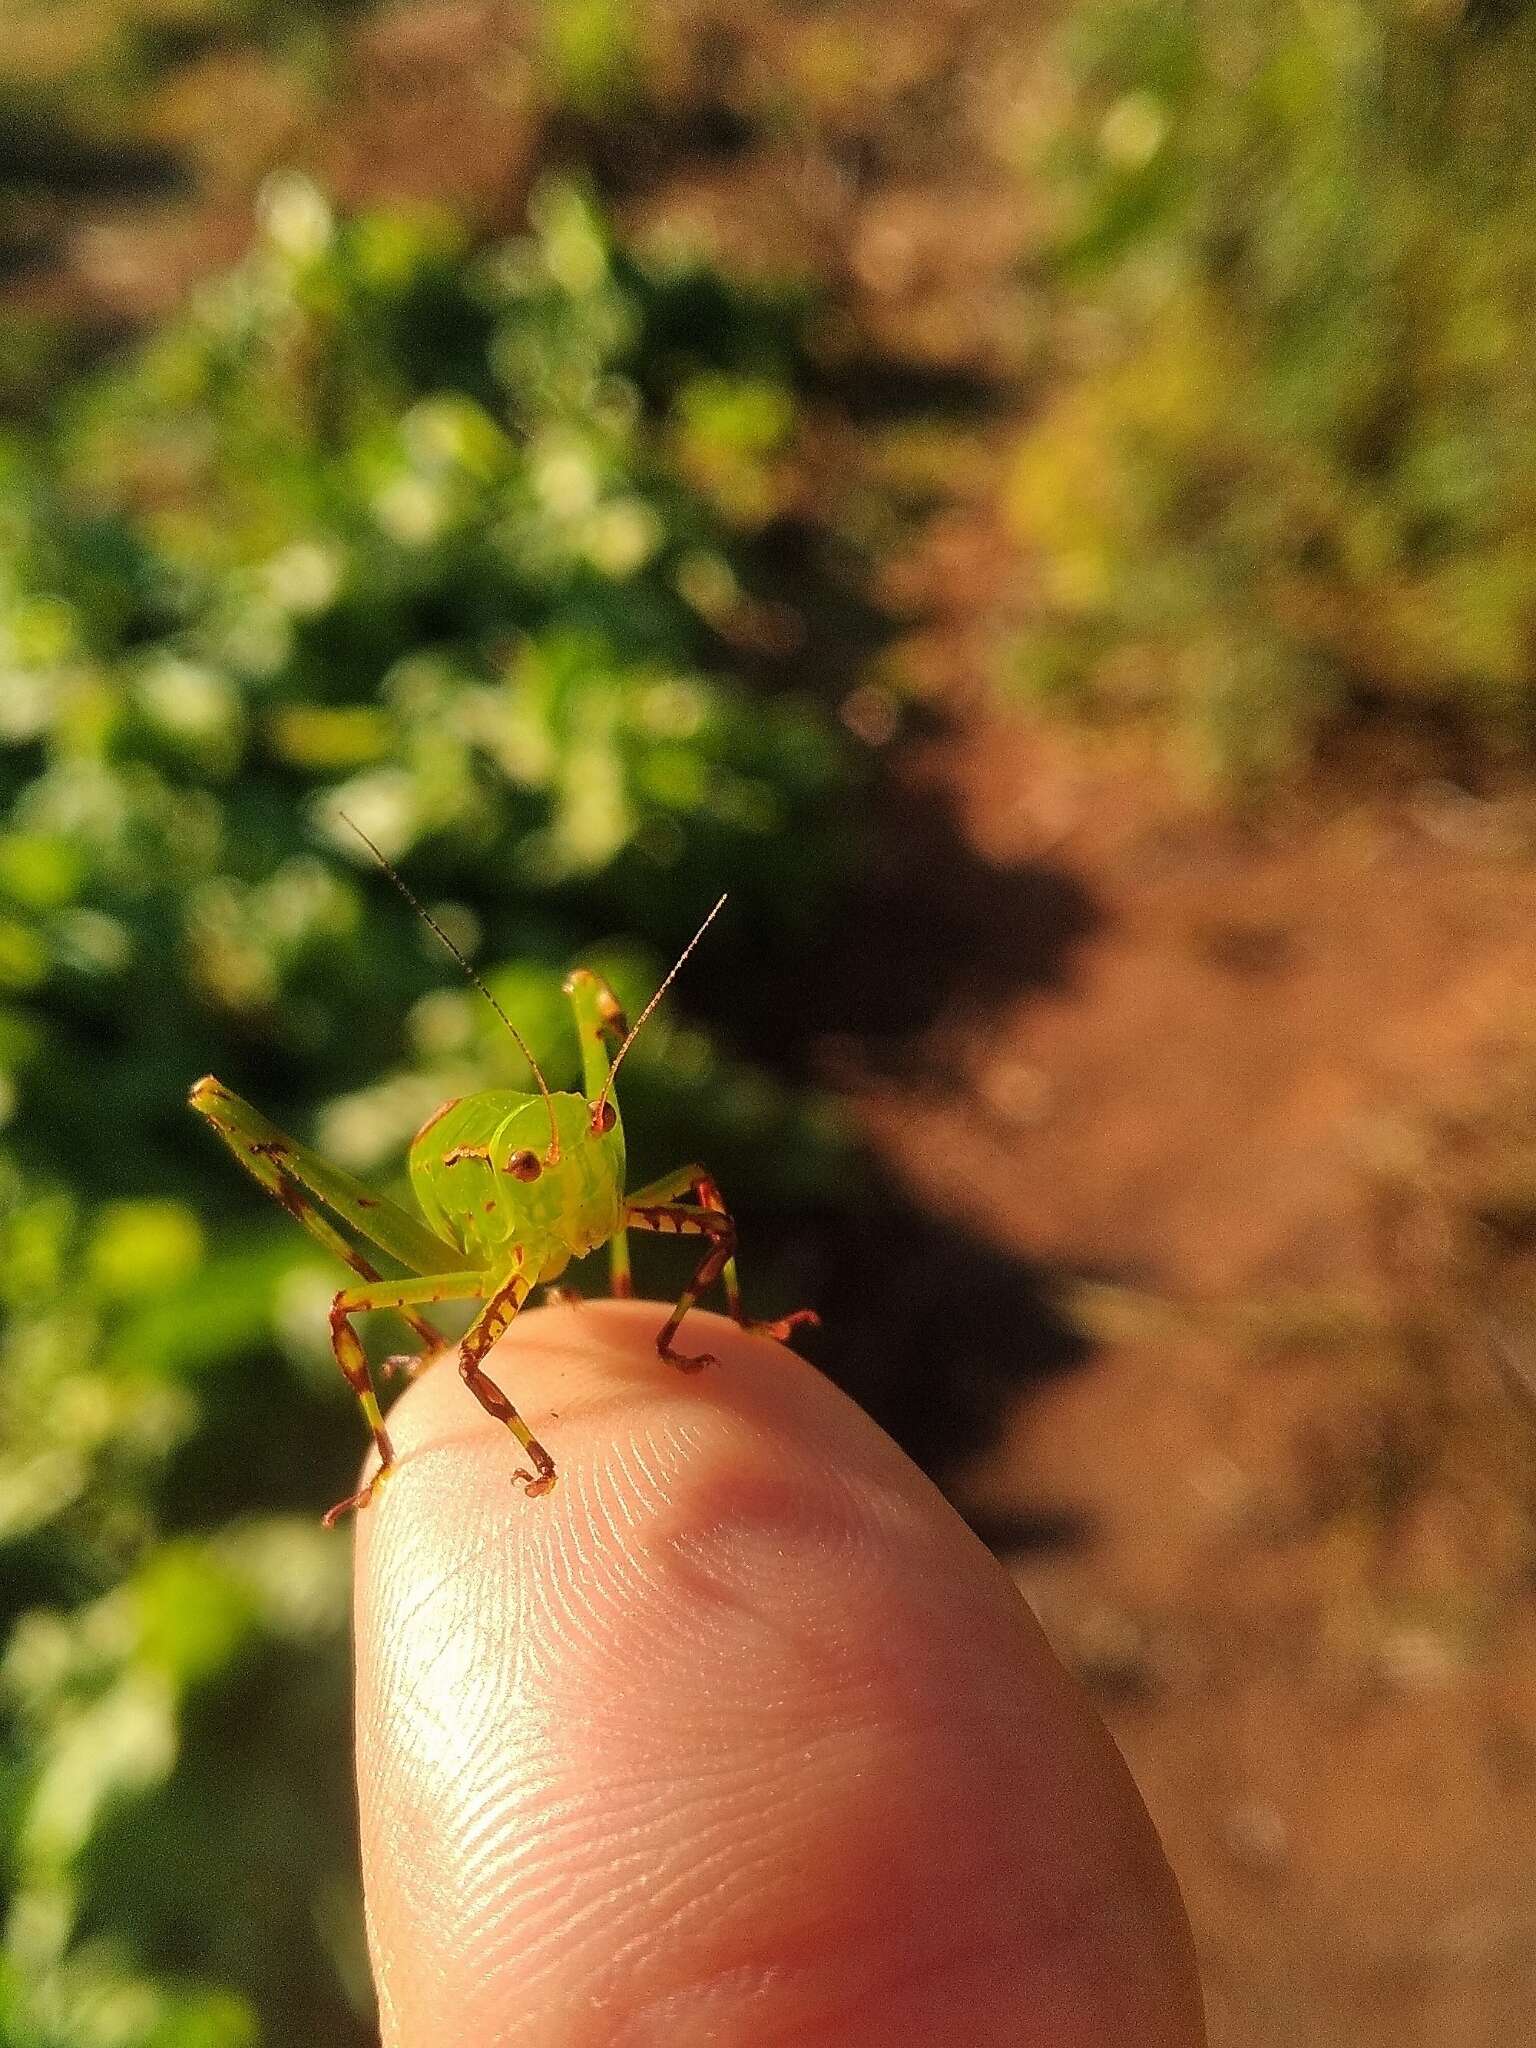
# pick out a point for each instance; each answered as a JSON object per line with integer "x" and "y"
{"x": 511, "y": 1188}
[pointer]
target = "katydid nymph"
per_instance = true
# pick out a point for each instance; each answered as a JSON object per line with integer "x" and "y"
{"x": 511, "y": 1187}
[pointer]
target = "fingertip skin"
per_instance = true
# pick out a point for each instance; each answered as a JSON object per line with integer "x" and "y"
{"x": 737, "y": 1736}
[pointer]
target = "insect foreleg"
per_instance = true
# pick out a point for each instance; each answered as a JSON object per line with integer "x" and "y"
{"x": 696, "y": 1181}
{"x": 698, "y": 1184}
{"x": 678, "y": 1217}
{"x": 353, "y": 1360}
{"x": 492, "y": 1322}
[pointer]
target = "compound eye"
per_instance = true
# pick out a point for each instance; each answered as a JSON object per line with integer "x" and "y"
{"x": 604, "y": 1117}
{"x": 525, "y": 1166}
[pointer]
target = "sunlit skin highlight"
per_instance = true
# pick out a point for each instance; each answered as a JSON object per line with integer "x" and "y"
{"x": 511, "y": 1187}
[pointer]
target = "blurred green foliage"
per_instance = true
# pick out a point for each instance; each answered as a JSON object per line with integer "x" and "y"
{"x": 1289, "y": 463}
{"x": 93, "y": 56}
{"x": 590, "y": 54}
{"x": 459, "y": 542}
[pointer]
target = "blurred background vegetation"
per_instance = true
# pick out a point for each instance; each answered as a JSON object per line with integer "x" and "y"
{"x": 449, "y": 539}
{"x": 578, "y": 443}
{"x": 1291, "y": 464}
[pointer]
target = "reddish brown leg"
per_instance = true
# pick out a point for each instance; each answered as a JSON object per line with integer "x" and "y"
{"x": 698, "y": 1182}
{"x": 714, "y": 1224}
{"x": 492, "y": 1322}
{"x": 403, "y": 1296}
{"x": 353, "y": 1360}
{"x": 710, "y": 1197}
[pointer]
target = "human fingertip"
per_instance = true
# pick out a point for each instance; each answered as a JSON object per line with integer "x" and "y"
{"x": 737, "y": 1734}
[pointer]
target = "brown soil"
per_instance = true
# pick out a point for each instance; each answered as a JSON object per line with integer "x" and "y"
{"x": 1262, "y": 1117}
{"x": 1235, "y": 1118}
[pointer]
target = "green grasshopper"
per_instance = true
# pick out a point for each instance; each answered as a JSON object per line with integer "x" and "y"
{"x": 512, "y": 1187}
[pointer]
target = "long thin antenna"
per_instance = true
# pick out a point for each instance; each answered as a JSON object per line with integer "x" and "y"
{"x": 634, "y": 1032}
{"x": 432, "y": 925}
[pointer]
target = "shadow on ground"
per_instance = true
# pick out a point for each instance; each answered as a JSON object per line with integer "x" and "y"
{"x": 933, "y": 1330}
{"x": 935, "y": 1334}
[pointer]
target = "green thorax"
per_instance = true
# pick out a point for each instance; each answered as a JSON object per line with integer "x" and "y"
{"x": 480, "y": 1205}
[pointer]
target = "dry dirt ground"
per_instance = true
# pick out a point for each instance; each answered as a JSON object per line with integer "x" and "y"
{"x": 1208, "y": 1146}
{"x": 1267, "y": 1132}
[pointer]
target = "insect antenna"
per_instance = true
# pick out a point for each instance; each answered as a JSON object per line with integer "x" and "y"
{"x": 432, "y": 925}
{"x": 634, "y": 1030}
